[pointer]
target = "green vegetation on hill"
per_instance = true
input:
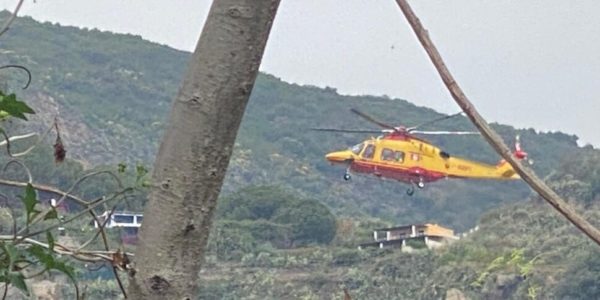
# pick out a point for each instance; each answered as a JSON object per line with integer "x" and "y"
{"x": 113, "y": 92}
{"x": 270, "y": 215}
{"x": 520, "y": 251}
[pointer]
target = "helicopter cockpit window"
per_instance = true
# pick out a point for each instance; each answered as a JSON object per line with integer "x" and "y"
{"x": 369, "y": 152}
{"x": 357, "y": 148}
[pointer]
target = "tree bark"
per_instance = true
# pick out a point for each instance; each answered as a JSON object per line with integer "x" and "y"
{"x": 489, "y": 134}
{"x": 196, "y": 147}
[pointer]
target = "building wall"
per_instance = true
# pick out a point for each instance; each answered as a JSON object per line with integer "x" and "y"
{"x": 436, "y": 230}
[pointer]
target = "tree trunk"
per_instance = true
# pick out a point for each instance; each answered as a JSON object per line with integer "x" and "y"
{"x": 196, "y": 147}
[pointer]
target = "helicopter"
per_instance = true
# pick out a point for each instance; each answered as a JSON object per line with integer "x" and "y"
{"x": 398, "y": 153}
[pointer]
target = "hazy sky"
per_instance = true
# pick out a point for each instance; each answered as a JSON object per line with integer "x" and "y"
{"x": 525, "y": 63}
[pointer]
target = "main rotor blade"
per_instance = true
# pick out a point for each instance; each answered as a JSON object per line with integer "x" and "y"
{"x": 434, "y": 121}
{"x": 371, "y": 119}
{"x": 347, "y": 130}
{"x": 445, "y": 132}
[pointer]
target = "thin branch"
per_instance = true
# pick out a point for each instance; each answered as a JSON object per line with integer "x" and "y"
{"x": 43, "y": 214}
{"x": 39, "y": 140}
{"x": 86, "y": 176}
{"x": 105, "y": 241}
{"x": 18, "y": 137}
{"x": 8, "y": 22}
{"x": 7, "y": 140}
{"x": 89, "y": 207}
{"x": 44, "y": 188}
{"x": 88, "y": 256}
{"x": 22, "y": 68}
{"x": 101, "y": 226}
{"x": 489, "y": 134}
{"x": 20, "y": 163}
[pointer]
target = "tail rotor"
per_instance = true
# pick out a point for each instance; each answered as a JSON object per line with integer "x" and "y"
{"x": 519, "y": 153}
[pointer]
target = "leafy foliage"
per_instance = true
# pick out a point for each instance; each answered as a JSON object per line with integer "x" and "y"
{"x": 269, "y": 214}
{"x": 13, "y": 107}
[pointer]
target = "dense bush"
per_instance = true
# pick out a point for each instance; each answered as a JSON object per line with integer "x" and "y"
{"x": 270, "y": 215}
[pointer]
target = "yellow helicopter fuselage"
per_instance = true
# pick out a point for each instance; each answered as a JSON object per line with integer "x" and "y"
{"x": 414, "y": 160}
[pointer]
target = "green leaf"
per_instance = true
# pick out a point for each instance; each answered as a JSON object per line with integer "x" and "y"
{"x": 121, "y": 167}
{"x": 50, "y": 262}
{"x": 51, "y": 215}
{"x": 50, "y": 239}
{"x": 14, "y": 107}
{"x": 11, "y": 252}
{"x": 29, "y": 200}
{"x": 66, "y": 269}
{"x": 18, "y": 280}
{"x": 42, "y": 255}
{"x": 141, "y": 171}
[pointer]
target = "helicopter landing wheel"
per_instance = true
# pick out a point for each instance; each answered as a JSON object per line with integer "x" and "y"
{"x": 410, "y": 191}
{"x": 347, "y": 176}
{"x": 420, "y": 184}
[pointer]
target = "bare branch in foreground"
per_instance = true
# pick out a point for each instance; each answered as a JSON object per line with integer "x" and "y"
{"x": 88, "y": 208}
{"x": 22, "y": 68}
{"x": 45, "y": 188}
{"x": 489, "y": 134}
{"x": 106, "y": 246}
{"x": 87, "y": 256}
{"x": 12, "y": 18}
{"x": 21, "y": 164}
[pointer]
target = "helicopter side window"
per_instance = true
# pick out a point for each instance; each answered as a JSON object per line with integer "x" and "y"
{"x": 369, "y": 152}
{"x": 415, "y": 156}
{"x": 357, "y": 148}
{"x": 399, "y": 156}
{"x": 387, "y": 154}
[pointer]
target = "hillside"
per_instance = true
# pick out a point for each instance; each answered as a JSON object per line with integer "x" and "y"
{"x": 521, "y": 251}
{"x": 112, "y": 94}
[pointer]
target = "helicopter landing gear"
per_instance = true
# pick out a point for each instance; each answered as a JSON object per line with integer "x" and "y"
{"x": 411, "y": 190}
{"x": 347, "y": 175}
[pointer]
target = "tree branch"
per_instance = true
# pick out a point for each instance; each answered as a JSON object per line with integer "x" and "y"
{"x": 87, "y": 256}
{"x": 489, "y": 134}
{"x": 88, "y": 208}
{"x": 44, "y": 188}
{"x": 22, "y": 68}
{"x": 11, "y": 19}
{"x": 105, "y": 242}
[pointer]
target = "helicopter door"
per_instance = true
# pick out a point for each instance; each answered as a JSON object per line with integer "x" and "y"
{"x": 367, "y": 156}
{"x": 369, "y": 152}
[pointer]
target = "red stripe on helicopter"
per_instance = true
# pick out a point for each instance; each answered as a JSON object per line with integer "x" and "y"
{"x": 411, "y": 174}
